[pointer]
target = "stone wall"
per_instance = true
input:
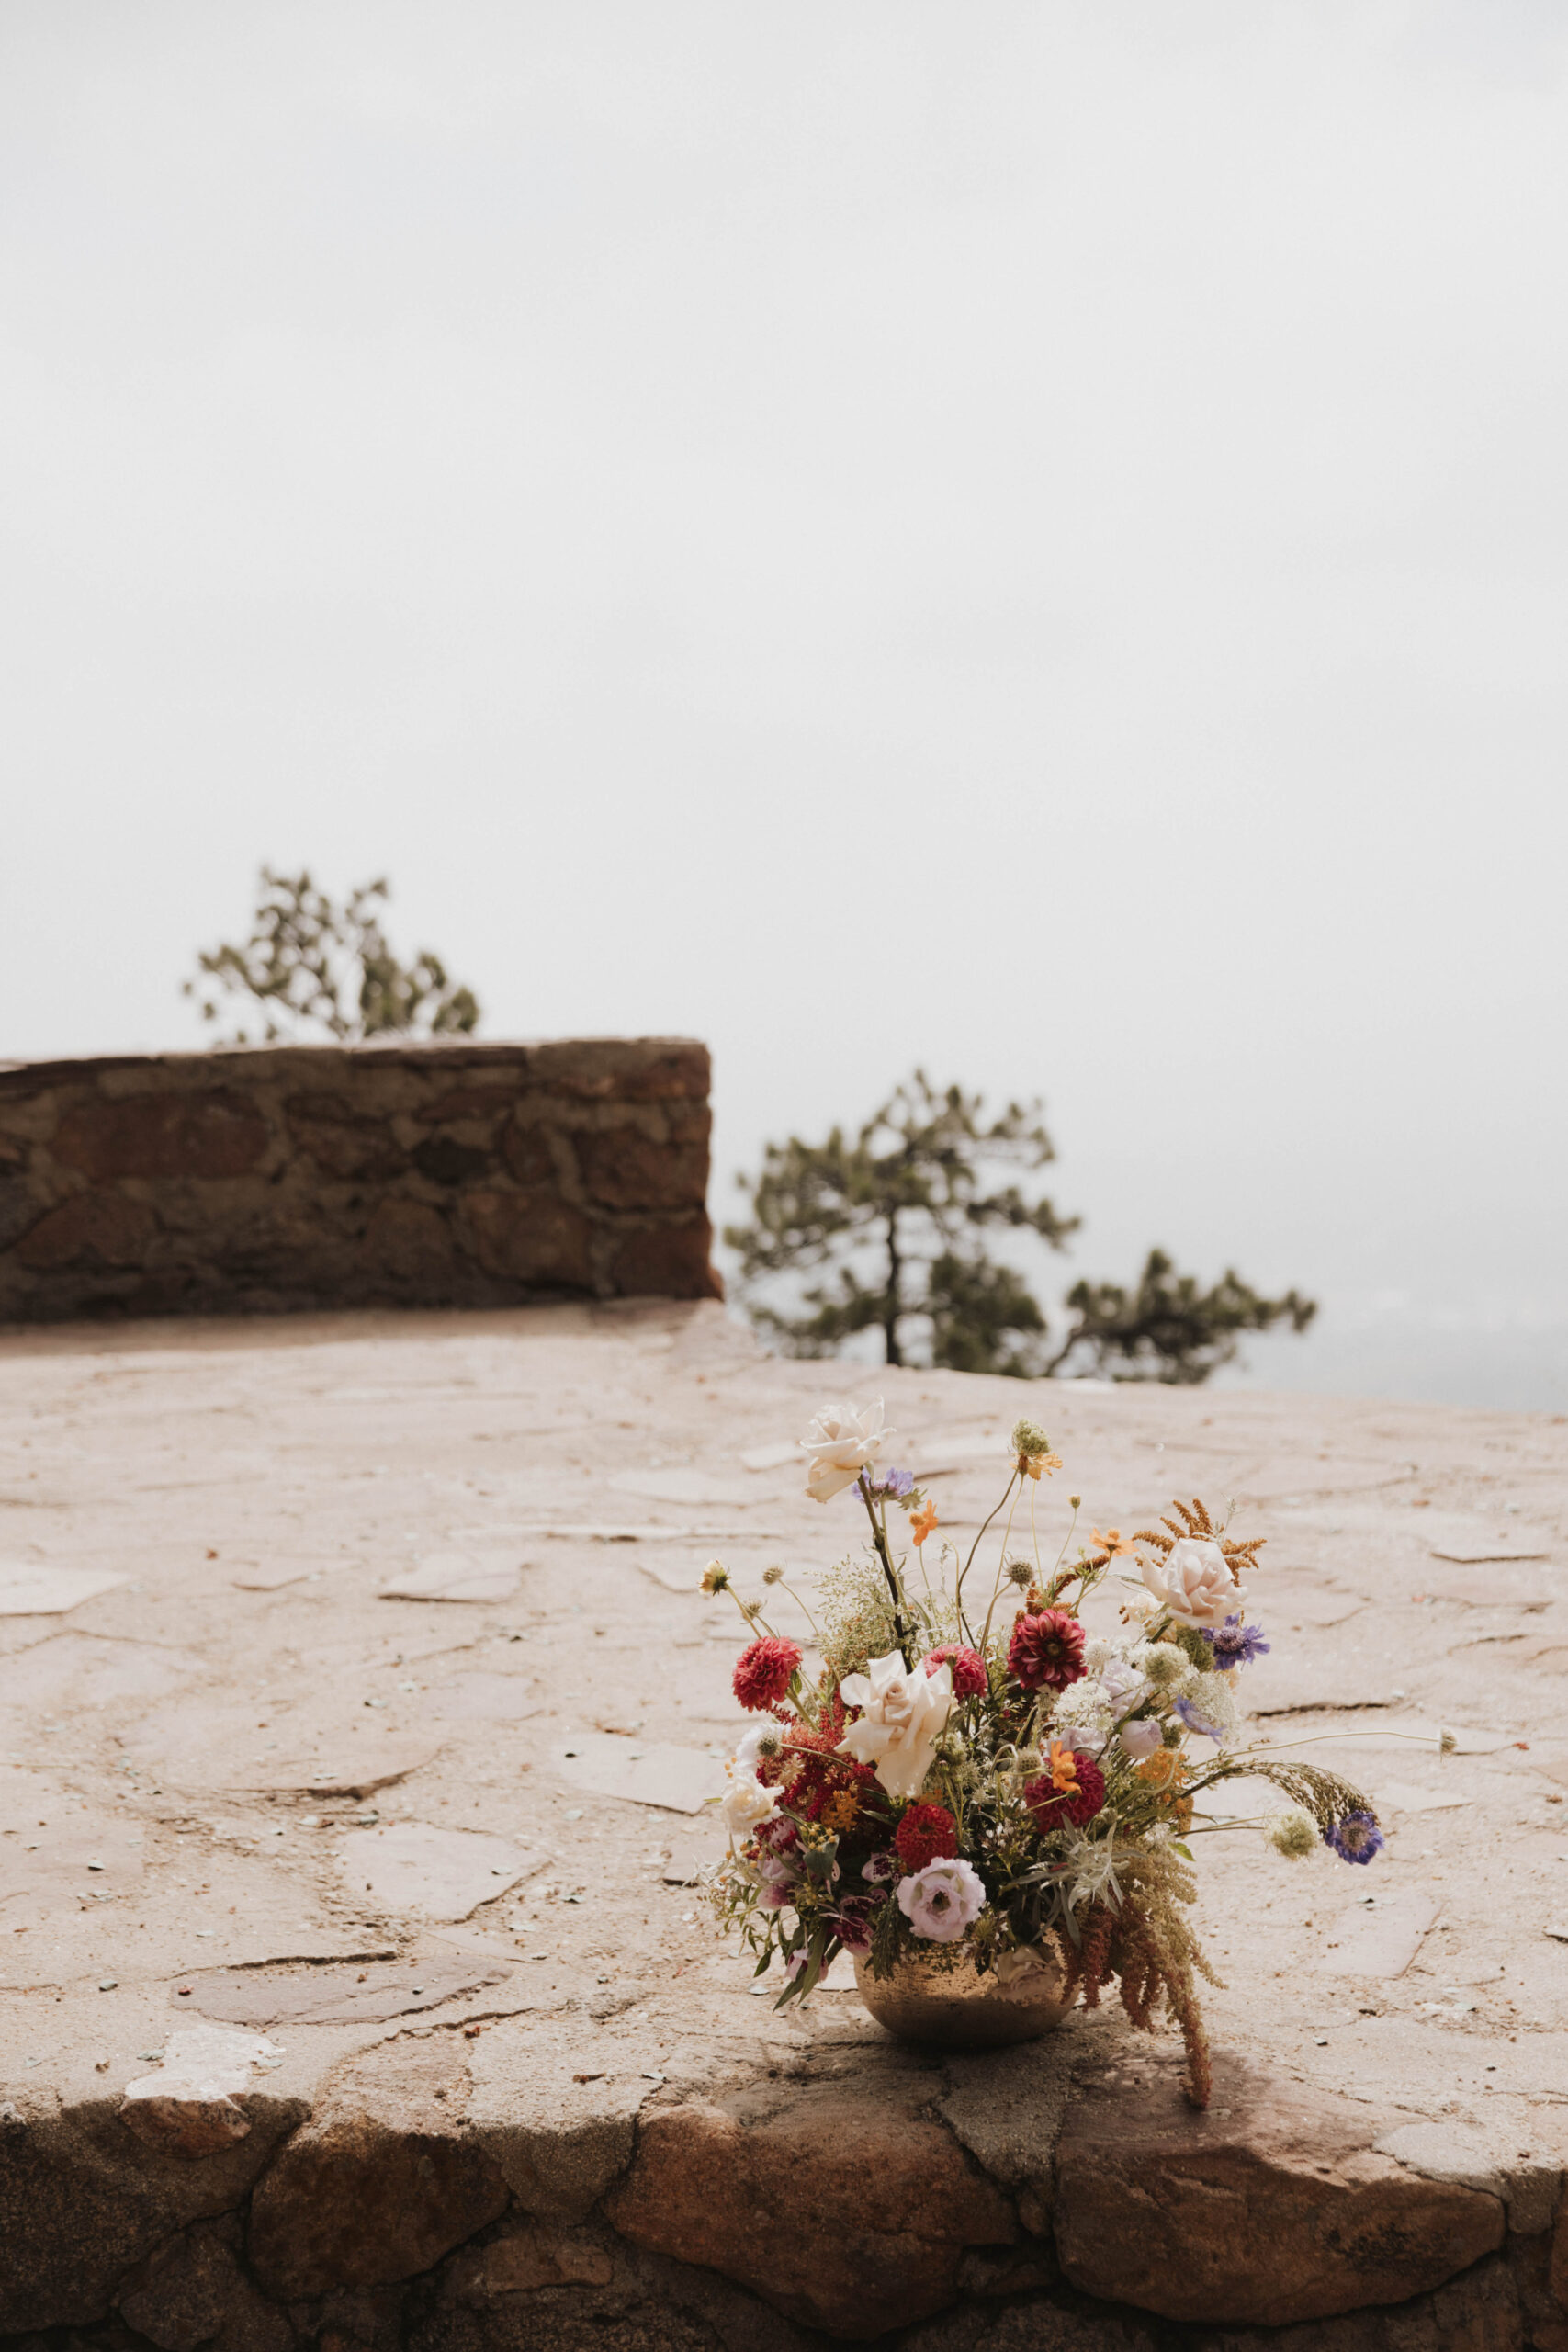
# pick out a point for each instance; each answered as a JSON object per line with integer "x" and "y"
{"x": 269, "y": 1179}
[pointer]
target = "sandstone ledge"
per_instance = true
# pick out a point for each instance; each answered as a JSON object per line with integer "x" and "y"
{"x": 521, "y": 2100}
{"x": 464, "y": 2189}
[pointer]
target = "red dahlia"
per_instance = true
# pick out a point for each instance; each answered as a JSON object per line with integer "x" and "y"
{"x": 928, "y": 1833}
{"x": 763, "y": 1669}
{"x": 969, "y": 1678}
{"x": 1047, "y": 1651}
{"x": 1052, "y": 1808}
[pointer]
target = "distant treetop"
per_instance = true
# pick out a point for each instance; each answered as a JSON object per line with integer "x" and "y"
{"x": 312, "y": 967}
{"x": 892, "y": 1220}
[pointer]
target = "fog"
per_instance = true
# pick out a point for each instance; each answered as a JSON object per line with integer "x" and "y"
{"x": 1027, "y": 541}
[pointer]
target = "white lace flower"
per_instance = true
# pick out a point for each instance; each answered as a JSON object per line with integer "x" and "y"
{"x": 1207, "y": 1704}
{"x": 1164, "y": 1663}
{"x": 1193, "y": 1581}
{"x": 903, "y": 1713}
{"x": 840, "y": 1443}
{"x": 763, "y": 1739}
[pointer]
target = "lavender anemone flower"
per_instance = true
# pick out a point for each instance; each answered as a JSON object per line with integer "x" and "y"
{"x": 1235, "y": 1643}
{"x": 1356, "y": 1837}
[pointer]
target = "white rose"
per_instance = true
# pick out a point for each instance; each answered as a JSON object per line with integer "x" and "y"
{"x": 1193, "y": 1581}
{"x": 903, "y": 1712}
{"x": 747, "y": 1803}
{"x": 841, "y": 1443}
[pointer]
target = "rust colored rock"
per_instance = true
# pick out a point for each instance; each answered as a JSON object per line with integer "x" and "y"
{"x": 1271, "y": 2207}
{"x": 193, "y": 2291}
{"x": 466, "y": 1102}
{"x": 668, "y": 1262}
{"x": 377, "y": 2186}
{"x": 543, "y": 2257}
{"x": 842, "y": 2203}
{"x": 207, "y": 1132}
{"x": 92, "y": 1229}
{"x": 526, "y": 1150}
{"x": 534, "y": 1237}
{"x": 627, "y": 1170}
{"x": 408, "y": 1240}
{"x": 343, "y": 1142}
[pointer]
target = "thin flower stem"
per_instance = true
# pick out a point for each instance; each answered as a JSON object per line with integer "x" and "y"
{"x": 879, "y": 1537}
{"x": 958, "y": 1592}
{"x": 802, "y": 1609}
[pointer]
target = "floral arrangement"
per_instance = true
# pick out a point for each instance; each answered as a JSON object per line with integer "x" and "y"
{"x": 972, "y": 1774}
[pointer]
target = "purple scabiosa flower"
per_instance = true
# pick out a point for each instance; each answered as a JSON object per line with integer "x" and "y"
{"x": 894, "y": 1484}
{"x": 1356, "y": 1837}
{"x": 1192, "y": 1715}
{"x": 1235, "y": 1643}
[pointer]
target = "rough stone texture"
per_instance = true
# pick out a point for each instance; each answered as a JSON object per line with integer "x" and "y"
{"x": 215, "y": 1700}
{"x": 446, "y": 1174}
{"x": 379, "y": 2184}
{"x": 1270, "y": 2207}
{"x": 840, "y": 2203}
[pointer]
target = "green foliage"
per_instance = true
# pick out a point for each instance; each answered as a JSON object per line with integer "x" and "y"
{"x": 892, "y": 1220}
{"x": 1168, "y": 1328}
{"x": 918, "y": 1185}
{"x": 311, "y": 966}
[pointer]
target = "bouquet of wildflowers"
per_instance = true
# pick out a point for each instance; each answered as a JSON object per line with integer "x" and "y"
{"x": 971, "y": 1774}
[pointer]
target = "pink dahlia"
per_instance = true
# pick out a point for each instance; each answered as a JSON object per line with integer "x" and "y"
{"x": 1046, "y": 1650}
{"x": 1055, "y": 1801}
{"x": 763, "y": 1670}
{"x": 969, "y": 1677}
{"x": 928, "y": 1833}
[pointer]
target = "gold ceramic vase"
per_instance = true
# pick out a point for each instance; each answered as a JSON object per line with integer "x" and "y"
{"x": 947, "y": 2004}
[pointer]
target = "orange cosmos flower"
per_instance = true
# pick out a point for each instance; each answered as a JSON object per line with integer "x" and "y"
{"x": 1113, "y": 1543}
{"x": 922, "y": 1522}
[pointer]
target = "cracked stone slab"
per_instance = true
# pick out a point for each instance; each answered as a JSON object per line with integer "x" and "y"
{"x": 1272, "y": 2207}
{"x": 457, "y": 1577}
{"x": 1007, "y": 2107}
{"x": 1380, "y": 1937}
{"x": 485, "y": 1697}
{"x": 338, "y": 1994}
{"x": 681, "y": 1780}
{"x": 28, "y": 1588}
{"x": 422, "y": 1872}
{"x": 1442, "y": 2150}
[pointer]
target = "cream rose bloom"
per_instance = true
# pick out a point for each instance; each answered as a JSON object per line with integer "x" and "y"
{"x": 840, "y": 1443}
{"x": 747, "y": 1803}
{"x": 903, "y": 1712}
{"x": 1193, "y": 1582}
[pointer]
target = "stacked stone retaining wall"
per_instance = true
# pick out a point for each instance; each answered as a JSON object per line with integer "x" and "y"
{"x": 274, "y": 1178}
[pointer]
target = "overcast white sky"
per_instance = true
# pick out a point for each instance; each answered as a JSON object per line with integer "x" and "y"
{"x": 1029, "y": 538}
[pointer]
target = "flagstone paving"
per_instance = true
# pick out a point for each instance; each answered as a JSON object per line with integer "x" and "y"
{"x": 358, "y": 1705}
